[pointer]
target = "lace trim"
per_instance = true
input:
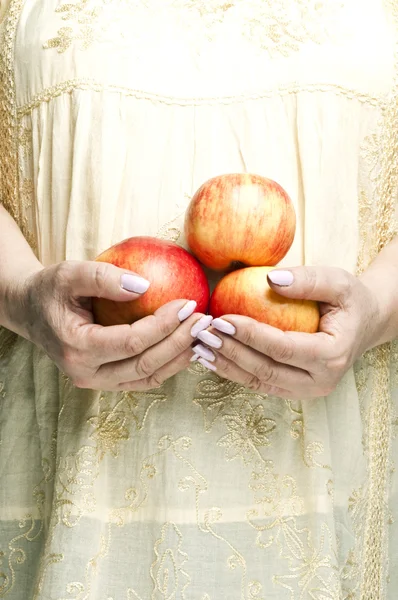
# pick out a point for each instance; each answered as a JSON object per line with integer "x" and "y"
{"x": 8, "y": 117}
{"x": 9, "y": 176}
{"x": 66, "y": 87}
{"x": 375, "y": 558}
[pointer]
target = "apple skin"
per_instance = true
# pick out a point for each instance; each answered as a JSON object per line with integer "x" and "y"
{"x": 246, "y": 292}
{"x": 240, "y": 218}
{"x": 173, "y": 272}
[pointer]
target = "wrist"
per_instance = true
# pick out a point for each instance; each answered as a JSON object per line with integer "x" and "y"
{"x": 14, "y": 299}
{"x": 381, "y": 283}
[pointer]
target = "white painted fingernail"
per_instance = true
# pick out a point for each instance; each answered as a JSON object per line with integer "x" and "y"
{"x": 187, "y": 310}
{"x": 134, "y": 283}
{"x": 204, "y": 352}
{"x": 224, "y": 326}
{"x": 203, "y": 323}
{"x": 195, "y": 357}
{"x": 282, "y": 278}
{"x": 210, "y": 339}
{"x": 207, "y": 364}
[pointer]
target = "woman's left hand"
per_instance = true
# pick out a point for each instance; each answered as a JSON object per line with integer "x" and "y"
{"x": 291, "y": 364}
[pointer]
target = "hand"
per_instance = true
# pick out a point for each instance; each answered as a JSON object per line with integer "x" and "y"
{"x": 55, "y": 314}
{"x": 290, "y": 364}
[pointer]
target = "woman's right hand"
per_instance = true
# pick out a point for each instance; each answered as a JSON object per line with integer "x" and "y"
{"x": 54, "y": 312}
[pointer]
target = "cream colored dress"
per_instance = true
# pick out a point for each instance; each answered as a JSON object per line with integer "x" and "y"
{"x": 112, "y": 113}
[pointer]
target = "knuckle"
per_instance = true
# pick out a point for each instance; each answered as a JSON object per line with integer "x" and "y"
{"x": 145, "y": 367}
{"x": 101, "y": 278}
{"x": 165, "y": 327}
{"x": 63, "y": 273}
{"x": 135, "y": 345}
{"x": 179, "y": 344}
{"x": 155, "y": 380}
{"x": 285, "y": 352}
{"x": 248, "y": 333}
{"x": 225, "y": 366}
{"x": 253, "y": 383}
{"x": 338, "y": 364}
{"x": 264, "y": 372}
{"x": 161, "y": 323}
{"x": 233, "y": 353}
{"x": 343, "y": 287}
{"x": 310, "y": 277}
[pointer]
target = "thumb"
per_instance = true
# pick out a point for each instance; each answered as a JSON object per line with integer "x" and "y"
{"x": 104, "y": 280}
{"x": 323, "y": 284}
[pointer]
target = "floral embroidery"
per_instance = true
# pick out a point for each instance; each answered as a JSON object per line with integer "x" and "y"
{"x": 278, "y": 27}
{"x": 216, "y": 395}
{"x": 90, "y": 22}
{"x": 278, "y": 503}
{"x": 248, "y": 429}
{"x": 110, "y": 429}
{"x": 277, "y": 524}
{"x": 307, "y": 562}
{"x": 113, "y": 424}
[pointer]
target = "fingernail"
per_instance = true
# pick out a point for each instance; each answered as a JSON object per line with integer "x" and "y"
{"x": 224, "y": 326}
{"x": 187, "y": 310}
{"x": 134, "y": 283}
{"x": 210, "y": 339}
{"x": 207, "y": 364}
{"x": 203, "y": 323}
{"x": 195, "y": 357}
{"x": 283, "y": 278}
{"x": 204, "y": 352}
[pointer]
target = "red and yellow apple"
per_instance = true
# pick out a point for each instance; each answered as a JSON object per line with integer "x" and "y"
{"x": 240, "y": 218}
{"x": 246, "y": 292}
{"x": 172, "y": 271}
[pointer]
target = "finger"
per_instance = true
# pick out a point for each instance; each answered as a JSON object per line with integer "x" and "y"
{"x": 159, "y": 377}
{"x": 227, "y": 369}
{"x": 308, "y": 351}
{"x": 118, "y": 342}
{"x": 323, "y": 284}
{"x": 101, "y": 280}
{"x": 146, "y": 363}
{"x": 264, "y": 368}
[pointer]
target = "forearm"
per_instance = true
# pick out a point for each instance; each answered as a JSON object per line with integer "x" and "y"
{"x": 17, "y": 263}
{"x": 381, "y": 277}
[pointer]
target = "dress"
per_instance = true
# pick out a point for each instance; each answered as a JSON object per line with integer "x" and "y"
{"x": 112, "y": 114}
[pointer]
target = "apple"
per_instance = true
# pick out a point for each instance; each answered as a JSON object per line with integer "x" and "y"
{"x": 173, "y": 272}
{"x": 240, "y": 218}
{"x": 246, "y": 292}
